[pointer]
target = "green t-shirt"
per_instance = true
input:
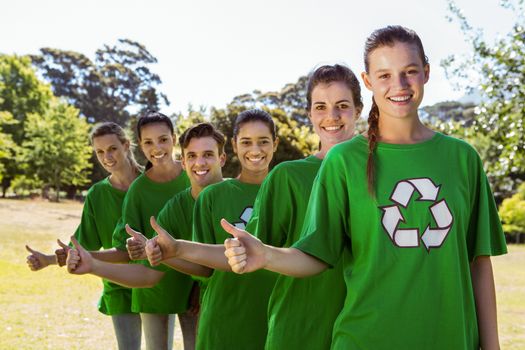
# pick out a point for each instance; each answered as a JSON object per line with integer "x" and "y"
{"x": 233, "y": 311}
{"x": 294, "y": 320}
{"x": 145, "y": 198}
{"x": 101, "y": 212}
{"x": 408, "y": 276}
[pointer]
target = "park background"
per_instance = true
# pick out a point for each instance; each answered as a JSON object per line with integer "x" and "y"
{"x": 65, "y": 65}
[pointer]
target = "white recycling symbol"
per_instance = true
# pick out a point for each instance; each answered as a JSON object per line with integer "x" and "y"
{"x": 245, "y": 217}
{"x": 409, "y": 237}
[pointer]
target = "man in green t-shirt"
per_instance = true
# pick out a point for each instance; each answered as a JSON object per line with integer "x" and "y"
{"x": 203, "y": 157}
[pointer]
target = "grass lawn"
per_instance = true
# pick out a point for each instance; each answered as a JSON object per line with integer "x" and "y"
{"x": 51, "y": 309}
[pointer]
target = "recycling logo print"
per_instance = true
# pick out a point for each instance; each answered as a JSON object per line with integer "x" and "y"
{"x": 245, "y": 217}
{"x": 432, "y": 237}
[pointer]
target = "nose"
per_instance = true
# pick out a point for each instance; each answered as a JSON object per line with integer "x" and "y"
{"x": 402, "y": 81}
{"x": 335, "y": 113}
{"x": 200, "y": 161}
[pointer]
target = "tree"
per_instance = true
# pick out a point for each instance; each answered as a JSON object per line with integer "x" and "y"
{"x": 497, "y": 68}
{"x": 56, "y": 149}
{"x": 116, "y": 86}
{"x": 21, "y": 93}
{"x": 7, "y": 146}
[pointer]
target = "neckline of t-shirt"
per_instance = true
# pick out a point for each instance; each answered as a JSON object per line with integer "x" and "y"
{"x": 167, "y": 183}
{"x": 312, "y": 158}
{"x": 114, "y": 189}
{"x": 422, "y": 144}
{"x": 244, "y": 183}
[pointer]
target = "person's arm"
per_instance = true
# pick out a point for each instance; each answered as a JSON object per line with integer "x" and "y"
{"x": 112, "y": 255}
{"x": 80, "y": 261}
{"x": 37, "y": 261}
{"x": 247, "y": 253}
{"x": 485, "y": 296}
{"x": 170, "y": 251}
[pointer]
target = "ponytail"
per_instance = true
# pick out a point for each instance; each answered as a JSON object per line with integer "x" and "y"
{"x": 373, "y": 134}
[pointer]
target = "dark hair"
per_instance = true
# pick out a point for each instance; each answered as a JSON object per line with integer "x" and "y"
{"x": 110, "y": 128}
{"x": 330, "y": 73}
{"x": 254, "y": 115}
{"x": 151, "y": 117}
{"x": 202, "y": 130}
{"x": 386, "y": 36}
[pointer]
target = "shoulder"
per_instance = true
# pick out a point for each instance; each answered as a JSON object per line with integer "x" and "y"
{"x": 99, "y": 187}
{"x": 217, "y": 188}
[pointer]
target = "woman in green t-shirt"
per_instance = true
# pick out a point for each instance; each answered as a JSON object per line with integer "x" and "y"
{"x": 415, "y": 210}
{"x": 334, "y": 104}
{"x": 101, "y": 212}
{"x": 163, "y": 178}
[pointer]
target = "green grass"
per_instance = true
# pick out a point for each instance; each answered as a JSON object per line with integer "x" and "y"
{"x": 52, "y": 309}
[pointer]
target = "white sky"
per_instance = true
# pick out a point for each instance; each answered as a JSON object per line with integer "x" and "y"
{"x": 210, "y": 51}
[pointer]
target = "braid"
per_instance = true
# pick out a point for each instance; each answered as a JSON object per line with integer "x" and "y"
{"x": 373, "y": 133}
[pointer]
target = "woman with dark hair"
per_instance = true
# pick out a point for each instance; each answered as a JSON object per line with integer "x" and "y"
{"x": 334, "y": 104}
{"x": 163, "y": 178}
{"x": 414, "y": 209}
{"x": 101, "y": 212}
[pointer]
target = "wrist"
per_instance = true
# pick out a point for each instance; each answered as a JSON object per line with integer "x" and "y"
{"x": 268, "y": 256}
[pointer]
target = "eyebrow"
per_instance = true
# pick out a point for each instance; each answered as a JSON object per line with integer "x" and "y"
{"x": 387, "y": 70}
{"x": 323, "y": 103}
{"x": 249, "y": 138}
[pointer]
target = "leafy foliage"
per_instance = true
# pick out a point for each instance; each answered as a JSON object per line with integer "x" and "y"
{"x": 56, "y": 151}
{"x": 512, "y": 213}
{"x": 499, "y": 70}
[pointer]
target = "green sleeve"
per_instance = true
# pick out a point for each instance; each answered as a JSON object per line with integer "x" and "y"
{"x": 203, "y": 228}
{"x": 87, "y": 232}
{"x": 485, "y": 235}
{"x": 326, "y": 223}
{"x": 271, "y": 216}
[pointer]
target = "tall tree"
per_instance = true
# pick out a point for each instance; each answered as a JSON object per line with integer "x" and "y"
{"x": 56, "y": 149}
{"x": 21, "y": 93}
{"x": 498, "y": 68}
{"x": 115, "y": 86}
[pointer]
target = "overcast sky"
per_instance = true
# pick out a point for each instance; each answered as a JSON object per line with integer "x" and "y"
{"x": 210, "y": 51}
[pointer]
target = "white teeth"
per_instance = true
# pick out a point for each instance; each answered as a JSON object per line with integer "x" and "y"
{"x": 400, "y": 98}
{"x": 333, "y": 128}
{"x": 159, "y": 156}
{"x": 110, "y": 164}
{"x": 201, "y": 172}
{"x": 254, "y": 159}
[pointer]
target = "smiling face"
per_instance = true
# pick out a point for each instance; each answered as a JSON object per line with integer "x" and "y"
{"x": 202, "y": 162}
{"x": 333, "y": 113}
{"x": 254, "y": 146}
{"x": 111, "y": 153}
{"x": 157, "y": 143}
{"x": 396, "y": 77}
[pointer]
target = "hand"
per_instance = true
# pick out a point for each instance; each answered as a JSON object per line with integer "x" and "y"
{"x": 78, "y": 261}
{"x": 36, "y": 260}
{"x": 136, "y": 244}
{"x": 245, "y": 252}
{"x": 163, "y": 246}
{"x": 61, "y": 253}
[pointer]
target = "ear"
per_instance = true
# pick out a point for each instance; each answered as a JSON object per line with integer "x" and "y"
{"x": 366, "y": 80}
{"x": 275, "y": 143}
{"x": 222, "y": 159}
{"x": 358, "y": 112}
{"x": 427, "y": 72}
{"x": 183, "y": 162}
{"x": 234, "y": 145}
{"x": 126, "y": 146}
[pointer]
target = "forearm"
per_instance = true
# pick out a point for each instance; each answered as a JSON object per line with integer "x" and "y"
{"x": 50, "y": 259}
{"x": 188, "y": 267}
{"x": 127, "y": 275}
{"x": 292, "y": 262}
{"x": 485, "y": 296}
{"x": 112, "y": 255}
{"x": 210, "y": 255}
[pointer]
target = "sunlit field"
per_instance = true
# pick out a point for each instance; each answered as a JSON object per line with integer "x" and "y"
{"x": 51, "y": 309}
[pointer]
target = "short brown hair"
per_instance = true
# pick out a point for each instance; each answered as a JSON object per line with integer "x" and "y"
{"x": 199, "y": 131}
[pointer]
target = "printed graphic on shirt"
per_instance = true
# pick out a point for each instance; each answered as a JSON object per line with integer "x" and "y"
{"x": 433, "y": 237}
{"x": 245, "y": 217}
